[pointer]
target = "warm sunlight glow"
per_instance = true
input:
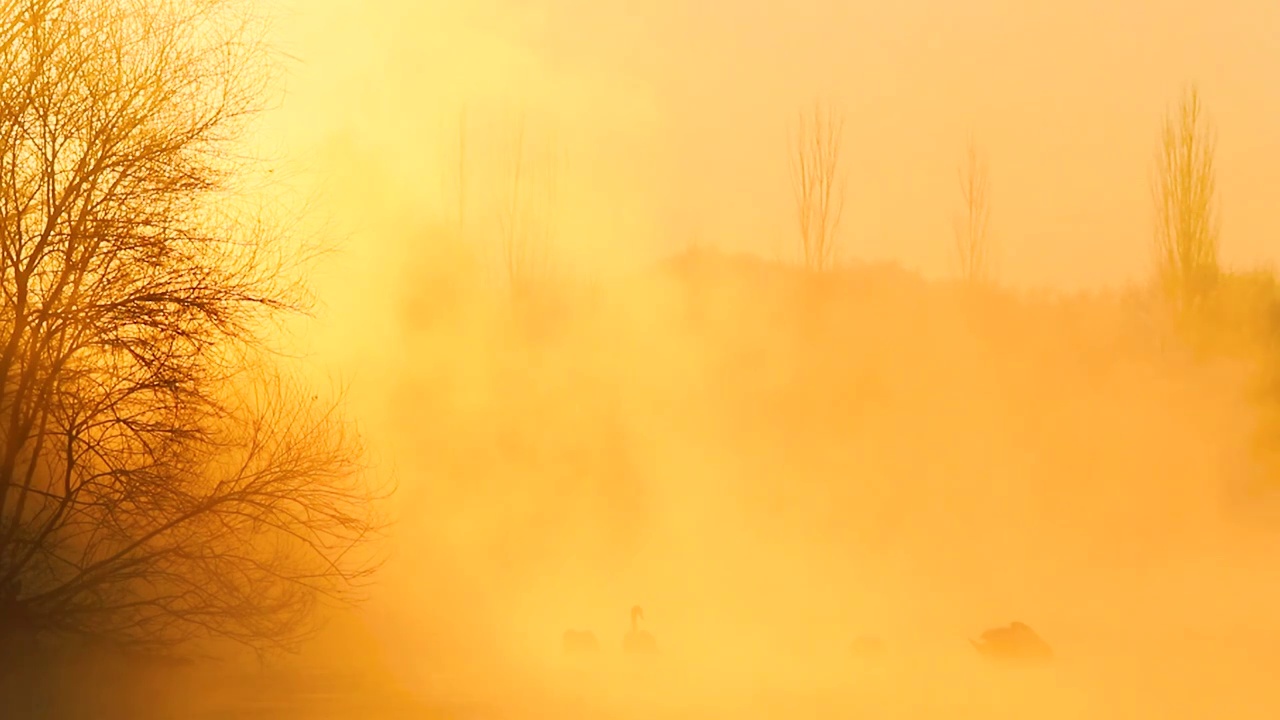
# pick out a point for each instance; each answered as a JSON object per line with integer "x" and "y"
{"x": 569, "y": 358}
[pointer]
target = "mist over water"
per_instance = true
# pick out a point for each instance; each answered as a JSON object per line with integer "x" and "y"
{"x": 772, "y": 462}
{"x": 773, "y": 467}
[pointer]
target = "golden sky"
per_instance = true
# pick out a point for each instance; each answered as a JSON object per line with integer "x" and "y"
{"x": 673, "y": 115}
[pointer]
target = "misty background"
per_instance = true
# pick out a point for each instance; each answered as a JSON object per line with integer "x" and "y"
{"x": 674, "y": 115}
{"x": 768, "y": 473}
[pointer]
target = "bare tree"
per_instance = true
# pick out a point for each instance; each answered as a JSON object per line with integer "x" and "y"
{"x": 1184, "y": 190}
{"x": 818, "y": 183}
{"x": 528, "y": 211}
{"x": 972, "y": 239}
{"x": 462, "y": 171}
{"x": 162, "y": 479}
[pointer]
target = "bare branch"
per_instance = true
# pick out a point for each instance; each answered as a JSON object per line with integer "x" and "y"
{"x": 462, "y": 171}
{"x": 528, "y": 211}
{"x": 972, "y": 240}
{"x": 1184, "y": 193}
{"x": 144, "y": 498}
{"x": 818, "y": 183}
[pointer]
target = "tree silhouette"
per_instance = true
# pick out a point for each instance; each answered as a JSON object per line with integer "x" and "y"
{"x": 818, "y": 183}
{"x": 161, "y": 479}
{"x": 1184, "y": 190}
{"x": 972, "y": 237}
{"x": 528, "y": 210}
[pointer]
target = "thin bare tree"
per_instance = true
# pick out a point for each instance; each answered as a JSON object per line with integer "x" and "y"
{"x": 818, "y": 182}
{"x": 972, "y": 238}
{"x": 462, "y": 171}
{"x": 163, "y": 478}
{"x": 1184, "y": 192}
{"x": 528, "y": 211}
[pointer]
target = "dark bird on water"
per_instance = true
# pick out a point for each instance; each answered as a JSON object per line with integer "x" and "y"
{"x": 580, "y": 642}
{"x": 1015, "y": 643}
{"x": 637, "y": 641}
{"x": 867, "y": 646}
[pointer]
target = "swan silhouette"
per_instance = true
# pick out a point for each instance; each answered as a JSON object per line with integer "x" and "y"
{"x": 638, "y": 641}
{"x": 867, "y": 646}
{"x": 580, "y": 642}
{"x": 1017, "y": 643}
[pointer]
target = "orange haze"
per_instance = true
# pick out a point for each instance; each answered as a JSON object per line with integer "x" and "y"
{"x": 772, "y": 467}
